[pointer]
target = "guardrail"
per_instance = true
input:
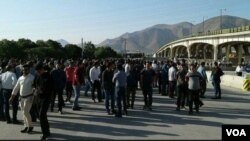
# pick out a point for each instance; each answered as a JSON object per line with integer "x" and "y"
{"x": 215, "y": 32}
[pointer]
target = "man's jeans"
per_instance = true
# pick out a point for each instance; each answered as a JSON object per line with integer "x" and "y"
{"x": 77, "y": 89}
{"x": 1, "y": 104}
{"x": 109, "y": 93}
{"x": 7, "y": 95}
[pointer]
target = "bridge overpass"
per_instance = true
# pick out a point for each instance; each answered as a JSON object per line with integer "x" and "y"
{"x": 225, "y": 45}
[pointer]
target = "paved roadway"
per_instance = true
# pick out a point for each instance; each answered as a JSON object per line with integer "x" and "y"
{"x": 92, "y": 123}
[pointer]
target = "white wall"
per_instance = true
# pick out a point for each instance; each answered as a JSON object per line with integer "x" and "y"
{"x": 230, "y": 80}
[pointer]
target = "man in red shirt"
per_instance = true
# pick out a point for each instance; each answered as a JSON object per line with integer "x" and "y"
{"x": 77, "y": 82}
{"x": 69, "y": 71}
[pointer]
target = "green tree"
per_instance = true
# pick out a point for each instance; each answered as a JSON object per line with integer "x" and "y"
{"x": 54, "y": 44}
{"x": 10, "y": 49}
{"x": 25, "y": 44}
{"x": 41, "y": 43}
{"x": 89, "y": 50}
{"x": 72, "y": 51}
{"x": 105, "y": 52}
{"x": 43, "y": 52}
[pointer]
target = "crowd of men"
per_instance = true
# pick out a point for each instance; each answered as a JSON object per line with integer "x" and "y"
{"x": 35, "y": 84}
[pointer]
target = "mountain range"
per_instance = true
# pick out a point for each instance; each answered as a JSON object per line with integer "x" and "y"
{"x": 152, "y": 38}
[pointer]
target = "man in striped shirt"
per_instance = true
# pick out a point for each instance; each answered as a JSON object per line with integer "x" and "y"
{"x": 194, "y": 78}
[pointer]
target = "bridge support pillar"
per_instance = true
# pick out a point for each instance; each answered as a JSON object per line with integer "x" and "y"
{"x": 177, "y": 52}
{"x": 188, "y": 51}
{"x": 205, "y": 50}
{"x": 196, "y": 51}
{"x": 216, "y": 52}
{"x": 240, "y": 53}
{"x": 227, "y": 52}
{"x": 171, "y": 53}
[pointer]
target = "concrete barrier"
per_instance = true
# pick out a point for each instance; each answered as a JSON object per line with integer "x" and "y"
{"x": 230, "y": 80}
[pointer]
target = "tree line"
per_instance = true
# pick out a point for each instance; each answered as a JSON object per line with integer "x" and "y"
{"x": 27, "y": 49}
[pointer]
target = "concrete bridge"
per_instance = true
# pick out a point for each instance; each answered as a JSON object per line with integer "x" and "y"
{"x": 227, "y": 45}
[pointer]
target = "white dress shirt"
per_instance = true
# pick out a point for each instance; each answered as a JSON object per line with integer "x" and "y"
{"x": 94, "y": 74}
{"x": 24, "y": 84}
{"x": 239, "y": 69}
{"x": 127, "y": 69}
{"x": 171, "y": 74}
{"x": 8, "y": 80}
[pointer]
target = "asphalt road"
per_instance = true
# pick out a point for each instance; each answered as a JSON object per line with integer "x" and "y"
{"x": 163, "y": 122}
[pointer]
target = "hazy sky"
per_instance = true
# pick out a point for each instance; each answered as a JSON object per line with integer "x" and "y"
{"x": 97, "y": 20}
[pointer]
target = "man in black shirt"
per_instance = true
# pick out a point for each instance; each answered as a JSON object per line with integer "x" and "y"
{"x": 58, "y": 82}
{"x": 147, "y": 79}
{"x": 43, "y": 90}
{"x": 215, "y": 76}
{"x": 108, "y": 87}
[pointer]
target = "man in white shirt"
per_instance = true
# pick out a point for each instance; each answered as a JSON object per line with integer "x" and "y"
{"x": 172, "y": 79}
{"x": 94, "y": 77}
{"x": 127, "y": 67}
{"x": 24, "y": 85}
{"x": 239, "y": 70}
{"x": 8, "y": 80}
{"x": 155, "y": 68}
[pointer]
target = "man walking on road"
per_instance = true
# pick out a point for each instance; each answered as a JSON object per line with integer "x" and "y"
{"x": 24, "y": 86}
{"x": 42, "y": 85}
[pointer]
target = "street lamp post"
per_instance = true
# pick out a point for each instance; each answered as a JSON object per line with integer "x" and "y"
{"x": 82, "y": 48}
{"x": 125, "y": 47}
{"x": 221, "y": 10}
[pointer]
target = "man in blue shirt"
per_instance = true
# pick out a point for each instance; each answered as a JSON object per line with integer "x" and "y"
{"x": 204, "y": 81}
{"x": 120, "y": 80}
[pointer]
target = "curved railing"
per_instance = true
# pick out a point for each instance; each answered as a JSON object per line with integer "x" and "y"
{"x": 215, "y": 32}
{"x": 221, "y": 31}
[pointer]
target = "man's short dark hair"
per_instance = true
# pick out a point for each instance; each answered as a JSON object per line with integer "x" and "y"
{"x": 26, "y": 66}
{"x": 193, "y": 65}
{"x": 119, "y": 66}
{"x": 216, "y": 63}
{"x": 39, "y": 66}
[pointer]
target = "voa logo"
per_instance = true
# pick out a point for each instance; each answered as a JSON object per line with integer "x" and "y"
{"x": 236, "y": 132}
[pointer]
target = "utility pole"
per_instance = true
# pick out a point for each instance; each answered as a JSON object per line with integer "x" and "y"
{"x": 125, "y": 46}
{"x": 221, "y": 16}
{"x": 82, "y": 49}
